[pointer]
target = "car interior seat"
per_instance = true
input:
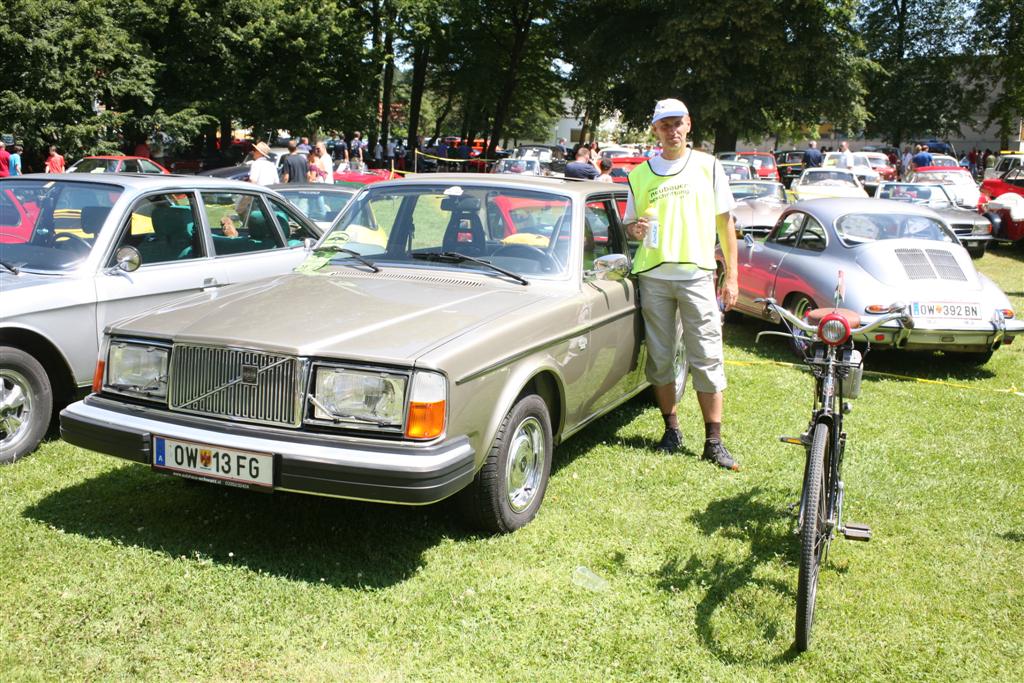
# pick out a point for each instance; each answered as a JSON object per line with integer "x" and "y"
{"x": 92, "y": 219}
{"x": 172, "y": 235}
{"x": 465, "y": 231}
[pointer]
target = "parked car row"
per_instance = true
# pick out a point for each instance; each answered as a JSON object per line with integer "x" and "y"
{"x": 439, "y": 339}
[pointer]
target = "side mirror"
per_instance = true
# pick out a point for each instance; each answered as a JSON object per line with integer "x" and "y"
{"x": 127, "y": 259}
{"x": 610, "y": 267}
{"x": 309, "y": 243}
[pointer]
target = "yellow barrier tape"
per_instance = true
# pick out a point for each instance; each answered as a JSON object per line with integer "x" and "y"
{"x": 1013, "y": 390}
{"x": 455, "y": 161}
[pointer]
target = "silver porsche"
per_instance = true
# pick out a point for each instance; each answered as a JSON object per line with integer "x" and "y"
{"x": 759, "y": 203}
{"x": 888, "y": 251}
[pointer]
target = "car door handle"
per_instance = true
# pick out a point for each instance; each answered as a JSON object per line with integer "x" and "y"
{"x": 773, "y": 266}
{"x": 210, "y": 282}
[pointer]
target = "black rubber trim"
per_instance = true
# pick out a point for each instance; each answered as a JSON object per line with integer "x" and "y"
{"x": 297, "y": 473}
{"x": 104, "y": 437}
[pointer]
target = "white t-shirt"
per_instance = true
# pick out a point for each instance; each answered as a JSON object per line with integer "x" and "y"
{"x": 324, "y": 162}
{"x": 262, "y": 172}
{"x": 724, "y": 203}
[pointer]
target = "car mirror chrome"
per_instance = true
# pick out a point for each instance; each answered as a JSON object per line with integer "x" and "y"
{"x": 609, "y": 267}
{"x": 127, "y": 259}
{"x": 748, "y": 240}
{"x": 309, "y": 243}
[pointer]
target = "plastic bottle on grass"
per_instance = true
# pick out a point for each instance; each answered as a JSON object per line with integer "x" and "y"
{"x": 651, "y": 238}
{"x": 585, "y": 578}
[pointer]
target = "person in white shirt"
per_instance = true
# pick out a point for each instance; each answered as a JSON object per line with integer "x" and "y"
{"x": 323, "y": 160}
{"x": 262, "y": 171}
{"x": 845, "y": 155}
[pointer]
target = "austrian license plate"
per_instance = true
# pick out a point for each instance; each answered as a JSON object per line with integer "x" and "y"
{"x": 225, "y": 465}
{"x": 947, "y": 310}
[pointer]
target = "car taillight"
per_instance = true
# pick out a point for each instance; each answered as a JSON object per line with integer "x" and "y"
{"x": 833, "y": 329}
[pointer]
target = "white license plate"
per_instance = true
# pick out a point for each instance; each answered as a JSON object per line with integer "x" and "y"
{"x": 946, "y": 310}
{"x": 235, "y": 467}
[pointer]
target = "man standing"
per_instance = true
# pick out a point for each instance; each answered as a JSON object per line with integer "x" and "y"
{"x": 582, "y": 168}
{"x": 262, "y": 170}
{"x": 812, "y": 157}
{"x": 294, "y": 167}
{"x": 304, "y": 146}
{"x": 678, "y": 202}
{"x": 922, "y": 158}
{"x": 845, "y": 155}
{"x": 5, "y": 160}
{"x": 355, "y": 151}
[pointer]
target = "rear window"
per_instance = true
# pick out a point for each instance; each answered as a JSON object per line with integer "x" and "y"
{"x": 859, "y": 228}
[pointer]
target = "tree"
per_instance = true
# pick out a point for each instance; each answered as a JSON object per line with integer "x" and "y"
{"x": 919, "y": 46}
{"x": 739, "y": 72}
{"x": 1001, "y": 67}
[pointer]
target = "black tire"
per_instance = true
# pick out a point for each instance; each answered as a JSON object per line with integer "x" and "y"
{"x": 508, "y": 490}
{"x": 977, "y": 252}
{"x": 798, "y": 304}
{"x": 813, "y": 536}
{"x": 26, "y": 403}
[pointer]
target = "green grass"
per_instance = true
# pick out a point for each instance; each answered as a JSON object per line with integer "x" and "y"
{"x": 110, "y": 571}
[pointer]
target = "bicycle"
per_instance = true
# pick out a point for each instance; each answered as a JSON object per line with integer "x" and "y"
{"x": 837, "y": 367}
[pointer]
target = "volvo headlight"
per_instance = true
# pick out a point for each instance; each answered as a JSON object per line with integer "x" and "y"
{"x": 137, "y": 369}
{"x": 359, "y": 398}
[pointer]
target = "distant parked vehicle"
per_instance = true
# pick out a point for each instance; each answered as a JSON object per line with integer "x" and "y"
{"x": 116, "y": 164}
{"x": 817, "y": 183}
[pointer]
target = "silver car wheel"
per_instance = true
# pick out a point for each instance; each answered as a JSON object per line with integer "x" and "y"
{"x": 525, "y": 464}
{"x": 801, "y": 305}
{"x": 16, "y": 407}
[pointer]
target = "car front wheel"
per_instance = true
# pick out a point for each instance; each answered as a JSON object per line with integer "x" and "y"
{"x": 26, "y": 401}
{"x": 507, "y": 491}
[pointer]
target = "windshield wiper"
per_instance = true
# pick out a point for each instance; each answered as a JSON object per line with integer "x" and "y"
{"x": 342, "y": 417}
{"x": 456, "y": 257}
{"x": 11, "y": 267}
{"x": 350, "y": 252}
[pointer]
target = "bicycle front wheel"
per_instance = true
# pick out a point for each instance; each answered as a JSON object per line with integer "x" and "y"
{"x": 813, "y": 536}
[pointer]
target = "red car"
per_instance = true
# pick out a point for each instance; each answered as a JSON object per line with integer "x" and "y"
{"x": 360, "y": 178}
{"x": 1010, "y": 209}
{"x": 763, "y": 163}
{"x": 116, "y": 164}
{"x": 621, "y": 166}
{"x": 17, "y": 217}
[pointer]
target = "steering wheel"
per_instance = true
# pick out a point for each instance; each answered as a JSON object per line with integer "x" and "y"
{"x": 544, "y": 260}
{"x": 71, "y": 238}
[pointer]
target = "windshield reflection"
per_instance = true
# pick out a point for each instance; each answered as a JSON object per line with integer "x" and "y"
{"x": 49, "y": 225}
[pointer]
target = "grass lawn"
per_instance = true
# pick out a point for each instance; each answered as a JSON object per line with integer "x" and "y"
{"x": 111, "y": 571}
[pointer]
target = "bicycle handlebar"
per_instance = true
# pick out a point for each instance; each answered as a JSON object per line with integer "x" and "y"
{"x": 901, "y": 314}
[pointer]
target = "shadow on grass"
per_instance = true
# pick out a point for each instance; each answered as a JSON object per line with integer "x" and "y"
{"x": 1015, "y": 536}
{"x": 767, "y": 528}
{"x": 604, "y": 430}
{"x": 303, "y": 538}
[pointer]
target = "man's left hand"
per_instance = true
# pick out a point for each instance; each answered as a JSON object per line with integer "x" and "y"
{"x": 730, "y": 291}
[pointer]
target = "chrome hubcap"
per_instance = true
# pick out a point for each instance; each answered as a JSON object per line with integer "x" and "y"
{"x": 801, "y": 306}
{"x": 525, "y": 464}
{"x": 15, "y": 407}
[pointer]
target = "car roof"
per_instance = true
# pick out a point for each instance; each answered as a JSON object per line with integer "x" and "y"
{"x": 958, "y": 169}
{"x": 512, "y": 181}
{"x": 750, "y": 154}
{"x": 280, "y": 187}
{"x": 828, "y": 210}
{"x": 142, "y": 181}
{"x": 120, "y": 157}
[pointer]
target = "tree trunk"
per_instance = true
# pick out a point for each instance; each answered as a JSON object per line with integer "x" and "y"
{"x": 389, "y": 79}
{"x": 443, "y": 114}
{"x": 421, "y": 56}
{"x": 225, "y": 132}
{"x": 521, "y": 24}
{"x": 725, "y": 139}
{"x": 375, "y": 39}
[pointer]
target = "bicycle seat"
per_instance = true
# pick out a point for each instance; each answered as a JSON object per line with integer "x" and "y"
{"x": 852, "y": 317}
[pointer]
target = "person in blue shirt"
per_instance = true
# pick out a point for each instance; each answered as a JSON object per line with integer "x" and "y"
{"x": 922, "y": 158}
{"x": 812, "y": 157}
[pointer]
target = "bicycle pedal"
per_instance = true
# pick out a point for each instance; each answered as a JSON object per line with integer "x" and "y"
{"x": 857, "y": 532}
{"x": 795, "y": 440}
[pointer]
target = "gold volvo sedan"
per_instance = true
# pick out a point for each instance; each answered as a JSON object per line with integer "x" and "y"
{"x": 443, "y": 336}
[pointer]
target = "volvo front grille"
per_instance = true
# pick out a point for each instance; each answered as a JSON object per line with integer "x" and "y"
{"x": 248, "y": 386}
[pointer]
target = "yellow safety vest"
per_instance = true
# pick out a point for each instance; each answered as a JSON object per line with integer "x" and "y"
{"x": 686, "y": 208}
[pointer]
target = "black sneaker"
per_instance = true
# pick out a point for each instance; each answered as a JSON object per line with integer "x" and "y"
{"x": 716, "y": 452}
{"x": 671, "y": 441}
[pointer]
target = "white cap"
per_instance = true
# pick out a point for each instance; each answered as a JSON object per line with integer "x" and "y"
{"x": 666, "y": 108}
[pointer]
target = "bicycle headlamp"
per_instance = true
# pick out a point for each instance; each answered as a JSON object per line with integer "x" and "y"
{"x": 833, "y": 329}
